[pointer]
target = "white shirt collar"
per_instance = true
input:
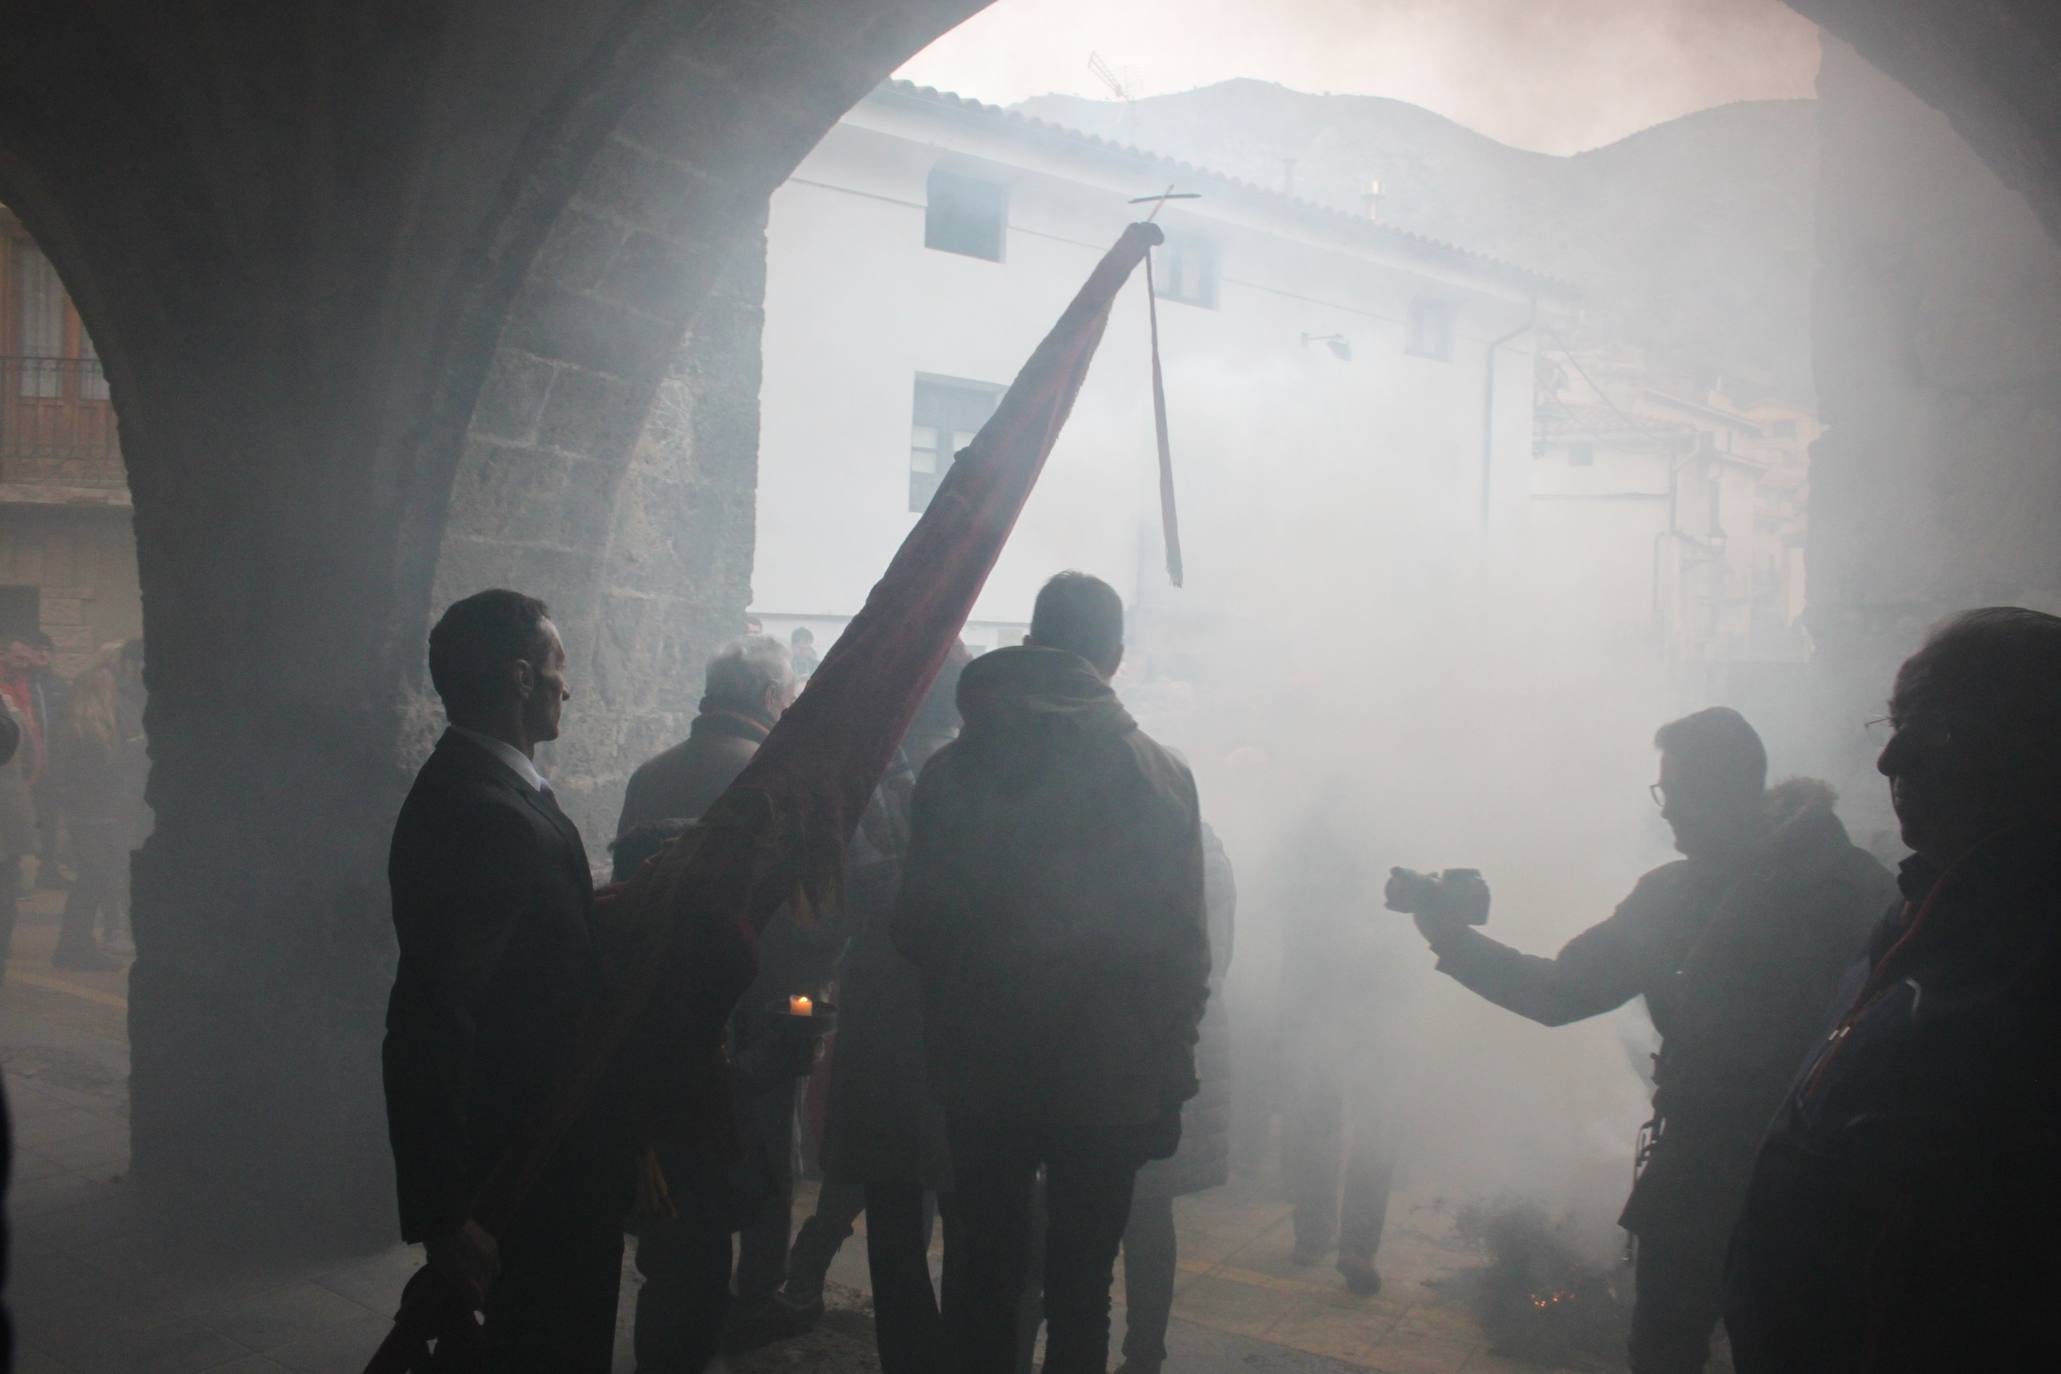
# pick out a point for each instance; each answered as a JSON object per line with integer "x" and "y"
{"x": 518, "y": 762}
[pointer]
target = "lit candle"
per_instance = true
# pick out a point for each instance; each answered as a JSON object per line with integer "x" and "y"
{"x": 800, "y": 1006}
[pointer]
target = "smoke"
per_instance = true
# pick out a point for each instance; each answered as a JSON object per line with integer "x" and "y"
{"x": 1361, "y": 671}
{"x": 1353, "y": 655}
{"x": 1555, "y": 76}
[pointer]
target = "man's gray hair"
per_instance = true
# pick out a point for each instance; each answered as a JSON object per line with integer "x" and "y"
{"x": 743, "y": 669}
{"x": 1998, "y": 669}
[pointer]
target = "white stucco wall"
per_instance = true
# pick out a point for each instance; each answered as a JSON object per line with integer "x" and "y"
{"x": 1368, "y": 469}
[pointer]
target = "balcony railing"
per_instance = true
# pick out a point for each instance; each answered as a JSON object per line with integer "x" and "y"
{"x": 55, "y": 419}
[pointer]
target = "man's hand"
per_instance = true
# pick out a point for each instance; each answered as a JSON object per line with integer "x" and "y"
{"x": 1437, "y": 927}
{"x": 468, "y": 1259}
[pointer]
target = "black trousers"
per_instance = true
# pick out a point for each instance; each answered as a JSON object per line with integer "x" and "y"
{"x": 685, "y": 1297}
{"x": 1150, "y": 1254}
{"x": 1680, "y": 1294}
{"x": 821, "y": 1235}
{"x": 552, "y": 1310}
{"x": 768, "y": 1123}
{"x": 907, "y": 1327}
{"x": 100, "y": 852}
{"x": 1088, "y": 1176}
{"x": 10, "y": 900}
{"x": 1338, "y": 1155}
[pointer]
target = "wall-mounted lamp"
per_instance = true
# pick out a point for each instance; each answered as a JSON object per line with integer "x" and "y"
{"x": 1341, "y": 347}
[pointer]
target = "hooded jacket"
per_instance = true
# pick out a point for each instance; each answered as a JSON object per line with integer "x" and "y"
{"x": 1204, "y": 1158}
{"x": 1052, "y": 903}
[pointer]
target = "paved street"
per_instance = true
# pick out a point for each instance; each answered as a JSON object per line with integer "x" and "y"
{"x": 92, "y": 1295}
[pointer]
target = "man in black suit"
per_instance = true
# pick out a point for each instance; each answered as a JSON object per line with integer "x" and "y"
{"x": 492, "y": 904}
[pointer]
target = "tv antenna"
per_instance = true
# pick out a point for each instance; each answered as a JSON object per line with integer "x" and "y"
{"x": 1118, "y": 87}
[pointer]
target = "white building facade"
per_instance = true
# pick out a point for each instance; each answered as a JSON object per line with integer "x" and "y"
{"x": 1677, "y": 510}
{"x": 1352, "y": 395}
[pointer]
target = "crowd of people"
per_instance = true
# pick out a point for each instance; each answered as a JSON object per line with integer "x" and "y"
{"x": 71, "y": 798}
{"x": 1846, "y": 1165}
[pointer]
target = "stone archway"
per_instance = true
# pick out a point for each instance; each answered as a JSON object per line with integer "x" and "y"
{"x": 305, "y": 242}
{"x": 371, "y": 282}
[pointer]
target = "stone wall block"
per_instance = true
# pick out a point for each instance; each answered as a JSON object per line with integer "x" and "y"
{"x": 688, "y": 635}
{"x": 642, "y": 736}
{"x": 702, "y": 527}
{"x": 762, "y": 141}
{"x": 726, "y": 435}
{"x": 507, "y": 493}
{"x": 558, "y": 575}
{"x": 656, "y": 275}
{"x": 471, "y": 564}
{"x": 512, "y": 397}
{"x": 743, "y": 280}
{"x": 588, "y": 414}
{"x": 586, "y": 332}
{"x": 586, "y": 505}
{"x": 721, "y": 342}
{"x": 624, "y": 680}
{"x": 647, "y": 190}
{"x": 578, "y": 250}
{"x": 666, "y": 443}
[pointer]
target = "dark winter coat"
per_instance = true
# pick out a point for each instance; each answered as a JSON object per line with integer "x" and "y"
{"x": 794, "y": 956}
{"x": 493, "y": 905}
{"x": 880, "y": 1125}
{"x": 1204, "y": 1158}
{"x": 706, "y": 1171}
{"x": 1904, "y": 1207}
{"x": 104, "y": 779}
{"x": 1052, "y": 903}
{"x": 1738, "y": 962}
{"x": 686, "y": 779}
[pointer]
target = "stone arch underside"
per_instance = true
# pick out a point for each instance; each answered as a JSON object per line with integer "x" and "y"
{"x": 401, "y": 300}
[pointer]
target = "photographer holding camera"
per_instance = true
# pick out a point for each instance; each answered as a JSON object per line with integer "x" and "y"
{"x": 1737, "y": 948}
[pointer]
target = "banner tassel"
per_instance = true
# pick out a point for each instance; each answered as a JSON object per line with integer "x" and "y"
{"x": 1169, "y": 516}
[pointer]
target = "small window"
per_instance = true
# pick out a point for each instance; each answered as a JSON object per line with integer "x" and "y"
{"x": 947, "y": 416}
{"x": 1431, "y": 329}
{"x": 1186, "y": 270}
{"x": 1581, "y": 456}
{"x": 965, "y": 215}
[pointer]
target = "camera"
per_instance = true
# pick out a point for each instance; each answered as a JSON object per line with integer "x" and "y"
{"x": 1456, "y": 894}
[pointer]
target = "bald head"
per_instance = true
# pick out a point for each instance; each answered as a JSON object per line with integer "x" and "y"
{"x": 1976, "y": 742}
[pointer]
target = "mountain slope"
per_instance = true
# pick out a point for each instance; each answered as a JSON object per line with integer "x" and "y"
{"x": 1692, "y": 238}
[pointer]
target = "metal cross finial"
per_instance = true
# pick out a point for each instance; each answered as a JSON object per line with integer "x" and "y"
{"x": 1159, "y": 201}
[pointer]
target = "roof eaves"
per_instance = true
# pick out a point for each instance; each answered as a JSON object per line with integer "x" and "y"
{"x": 908, "y": 92}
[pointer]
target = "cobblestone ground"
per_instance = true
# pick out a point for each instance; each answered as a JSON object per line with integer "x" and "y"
{"x": 92, "y": 1295}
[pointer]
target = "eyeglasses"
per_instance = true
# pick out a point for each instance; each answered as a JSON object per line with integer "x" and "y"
{"x": 1931, "y": 733}
{"x": 1658, "y": 793}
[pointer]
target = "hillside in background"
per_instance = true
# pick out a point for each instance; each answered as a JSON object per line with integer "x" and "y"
{"x": 1692, "y": 238}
